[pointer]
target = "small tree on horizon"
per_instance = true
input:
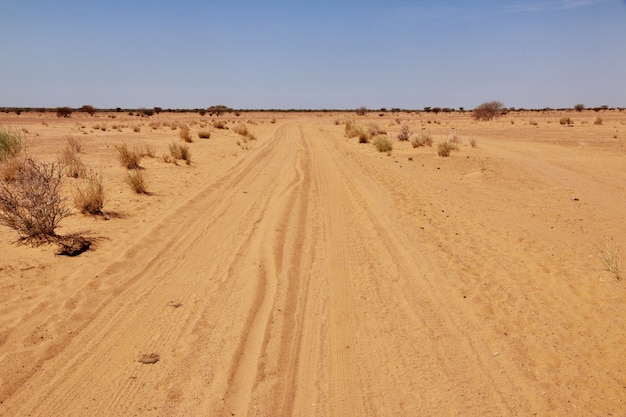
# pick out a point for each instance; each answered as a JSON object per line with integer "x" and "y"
{"x": 579, "y": 107}
{"x": 488, "y": 110}
{"x": 361, "y": 111}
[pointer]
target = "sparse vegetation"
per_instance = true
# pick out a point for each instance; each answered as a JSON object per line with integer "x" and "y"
{"x": 204, "y": 134}
{"x": 361, "y": 111}
{"x": 11, "y": 142}
{"x": 71, "y": 163}
{"x": 129, "y": 158}
{"x": 611, "y": 258}
{"x": 180, "y": 151}
{"x": 137, "y": 181}
{"x": 382, "y": 143}
{"x": 89, "y": 195}
{"x": 444, "y": 148}
{"x": 565, "y": 121}
{"x": 597, "y": 120}
{"x": 219, "y": 124}
{"x": 405, "y": 133}
{"x": 31, "y": 204}
{"x": 64, "y": 112}
{"x": 424, "y": 138}
{"x": 185, "y": 134}
{"x": 488, "y": 111}
{"x": 473, "y": 143}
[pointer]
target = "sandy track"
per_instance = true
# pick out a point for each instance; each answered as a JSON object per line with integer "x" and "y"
{"x": 308, "y": 281}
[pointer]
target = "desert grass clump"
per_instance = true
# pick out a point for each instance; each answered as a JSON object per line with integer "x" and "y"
{"x": 137, "y": 129}
{"x": 70, "y": 159}
{"x": 351, "y": 129}
{"x": 382, "y": 143}
{"x": 374, "y": 130}
{"x": 146, "y": 149}
{"x": 565, "y": 121}
{"x": 89, "y": 197}
{"x": 219, "y": 124}
{"x": 473, "y": 143}
{"x": 185, "y": 134}
{"x": 611, "y": 258}
{"x": 454, "y": 138}
{"x": 597, "y": 120}
{"x": 137, "y": 181}
{"x": 11, "y": 142}
{"x": 180, "y": 151}
{"x": 204, "y": 134}
{"x": 129, "y": 158}
{"x": 424, "y": 138}
{"x": 444, "y": 148}
{"x": 241, "y": 129}
{"x": 405, "y": 133}
{"x": 10, "y": 167}
{"x": 31, "y": 204}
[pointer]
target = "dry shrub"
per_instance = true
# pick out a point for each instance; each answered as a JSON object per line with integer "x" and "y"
{"x": 473, "y": 143}
{"x": 10, "y": 167}
{"x": 444, "y": 148}
{"x": 137, "y": 129}
{"x": 565, "y": 121}
{"x": 219, "y": 124}
{"x": 11, "y": 142}
{"x": 382, "y": 143}
{"x": 89, "y": 195}
{"x": 454, "y": 138}
{"x": 137, "y": 181}
{"x": 31, "y": 204}
{"x": 74, "y": 144}
{"x": 180, "y": 151}
{"x": 405, "y": 133}
{"x": 129, "y": 158}
{"x": 241, "y": 129}
{"x": 597, "y": 120}
{"x": 185, "y": 134}
{"x": 204, "y": 134}
{"x": 70, "y": 161}
{"x": 424, "y": 138}
{"x": 374, "y": 130}
{"x": 147, "y": 150}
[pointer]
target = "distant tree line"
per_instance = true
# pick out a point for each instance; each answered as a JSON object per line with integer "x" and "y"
{"x": 218, "y": 110}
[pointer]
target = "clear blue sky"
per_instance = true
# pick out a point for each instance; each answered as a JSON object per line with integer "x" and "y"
{"x": 312, "y": 54}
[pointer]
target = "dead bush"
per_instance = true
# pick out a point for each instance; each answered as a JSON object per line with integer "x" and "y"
{"x": 405, "y": 133}
{"x": 31, "y": 204}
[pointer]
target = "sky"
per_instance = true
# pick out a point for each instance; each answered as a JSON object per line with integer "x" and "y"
{"x": 315, "y": 54}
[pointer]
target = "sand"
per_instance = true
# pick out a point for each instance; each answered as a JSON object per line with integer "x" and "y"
{"x": 305, "y": 274}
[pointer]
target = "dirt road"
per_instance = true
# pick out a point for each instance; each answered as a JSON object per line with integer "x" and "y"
{"x": 313, "y": 279}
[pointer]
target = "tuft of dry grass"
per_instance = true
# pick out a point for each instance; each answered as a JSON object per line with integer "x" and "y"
{"x": 137, "y": 181}
{"x": 219, "y": 124}
{"x": 611, "y": 258}
{"x": 89, "y": 196}
{"x": 11, "y": 142}
{"x": 204, "y": 134}
{"x": 129, "y": 158}
{"x": 597, "y": 120}
{"x": 444, "y": 148}
{"x": 424, "y": 138}
{"x": 10, "y": 168}
{"x": 185, "y": 134}
{"x": 70, "y": 160}
{"x": 180, "y": 151}
{"x": 382, "y": 143}
{"x": 473, "y": 143}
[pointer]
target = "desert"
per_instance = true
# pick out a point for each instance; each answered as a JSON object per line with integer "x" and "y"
{"x": 286, "y": 269}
